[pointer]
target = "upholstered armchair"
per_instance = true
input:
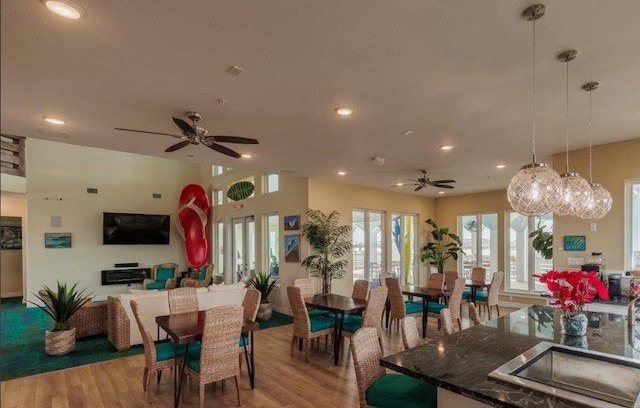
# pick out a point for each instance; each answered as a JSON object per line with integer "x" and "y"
{"x": 163, "y": 276}
{"x": 202, "y": 280}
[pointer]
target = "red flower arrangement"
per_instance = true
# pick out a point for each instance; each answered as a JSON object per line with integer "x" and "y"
{"x": 573, "y": 289}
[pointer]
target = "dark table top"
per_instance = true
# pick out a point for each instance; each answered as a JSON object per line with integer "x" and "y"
{"x": 421, "y": 291}
{"x": 336, "y": 303}
{"x": 477, "y": 283}
{"x": 187, "y": 327}
{"x": 460, "y": 363}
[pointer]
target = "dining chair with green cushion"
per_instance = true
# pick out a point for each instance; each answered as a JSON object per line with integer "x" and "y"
{"x": 372, "y": 315}
{"x": 163, "y": 276}
{"x": 218, "y": 357}
{"x": 491, "y": 299}
{"x": 447, "y": 323}
{"x": 307, "y": 327}
{"x": 250, "y": 306}
{"x": 477, "y": 274}
{"x": 410, "y": 336}
{"x": 306, "y": 288}
{"x": 399, "y": 307}
{"x": 454, "y": 304}
{"x": 474, "y": 316}
{"x": 376, "y": 388}
{"x": 202, "y": 280}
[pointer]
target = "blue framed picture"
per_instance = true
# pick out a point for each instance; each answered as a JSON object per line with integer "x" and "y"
{"x": 57, "y": 240}
{"x": 575, "y": 243}
{"x": 291, "y": 222}
{"x": 292, "y": 248}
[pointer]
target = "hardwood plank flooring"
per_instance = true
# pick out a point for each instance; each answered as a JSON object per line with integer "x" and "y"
{"x": 281, "y": 380}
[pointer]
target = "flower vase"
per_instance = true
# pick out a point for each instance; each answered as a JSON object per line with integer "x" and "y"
{"x": 575, "y": 325}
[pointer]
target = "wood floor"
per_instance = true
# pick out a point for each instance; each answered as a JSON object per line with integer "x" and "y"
{"x": 281, "y": 380}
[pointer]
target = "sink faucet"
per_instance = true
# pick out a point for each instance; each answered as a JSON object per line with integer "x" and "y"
{"x": 631, "y": 311}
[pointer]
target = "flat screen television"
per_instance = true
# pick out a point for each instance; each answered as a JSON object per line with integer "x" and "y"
{"x": 135, "y": 229}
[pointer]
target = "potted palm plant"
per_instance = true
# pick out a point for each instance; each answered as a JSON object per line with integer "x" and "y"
{"x": 263, "y": 282}
{"x": 330, "y": 241}
{"x": 61, "y": 306}
{"x": 445, "y": 245}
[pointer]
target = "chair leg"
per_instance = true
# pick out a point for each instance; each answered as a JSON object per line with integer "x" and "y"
{"x": 326, "y": 340}
{"x": 159, "y": 376}
{"x": 201, "y": 399}
{"x": 306, "y": 350}
{"x": 145, "y": 379}
{"x": 293, "y": 344}
{"x": 459, "y": 324}
{"x": 489, "y": 311}
{"x": 235, "y": 377}
{"x": 381, "y": 347}
{"x": 498, "y": 310}
{"x": 240, "y": 362}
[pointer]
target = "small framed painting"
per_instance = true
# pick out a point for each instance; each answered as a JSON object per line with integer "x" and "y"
{"x": 291, "y": 222}
{"x": 292, "y": 248}
{"x": 57, "y": 240}
{"x": 575, "y": 243}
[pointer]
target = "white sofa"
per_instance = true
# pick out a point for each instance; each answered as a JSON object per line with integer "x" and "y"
{"x": 122, "y": 328}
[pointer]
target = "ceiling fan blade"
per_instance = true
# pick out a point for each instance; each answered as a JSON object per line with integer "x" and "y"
{"x": 418, "y": 188}
{"x": 443, "y": 181}
{"x": 442, "y": 186}
{"x": 151, "y": 133}
{"x": 233, "y": 139}
{"x": 184, "y": 126}
{"x": 221, "y": 149}
{"x": 177, "y": 146}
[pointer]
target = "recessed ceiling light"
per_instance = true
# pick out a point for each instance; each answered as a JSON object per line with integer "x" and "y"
{"x": 446, "y": 147}
{"x": 246, "y": 156}
{"x": 440, "y": 192}
{"x": 343, "y": 111}
{"x": 500, "y": 166}
{"x": 64, "y": 8}
{"x": 54, "y": 121}
{"x": 399, "y": 184}
{"x": 407, "y": 132}
{"x": 342, "y": 173}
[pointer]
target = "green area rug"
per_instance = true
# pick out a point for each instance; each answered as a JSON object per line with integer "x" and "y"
{"x": 22, "y": 342}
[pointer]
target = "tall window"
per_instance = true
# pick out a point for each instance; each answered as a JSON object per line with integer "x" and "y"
{"x": 218, "y": 257}
{"x": 217, "y": 170}
{"x": 404, "y": 247}
{"x": 218, "y": 196}
{"x": 271, "y": 183}
{"x": 272, "y": 239}
{"x": 479, "y": 235}
{"x": 522, "y": 260}
{"x": 633, "y": 225}
{"x": 368, "y": 244}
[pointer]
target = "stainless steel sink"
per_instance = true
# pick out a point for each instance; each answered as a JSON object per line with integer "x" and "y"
{"x": 585, "y": 376}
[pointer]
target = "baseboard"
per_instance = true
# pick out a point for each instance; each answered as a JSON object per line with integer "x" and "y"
{"x": 10, "y": 294}
{"x": 513, "y": 305}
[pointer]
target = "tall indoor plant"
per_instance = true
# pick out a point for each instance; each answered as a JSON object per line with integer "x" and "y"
{"x": 263, "y": 282}
{"x": 445, "y": 245}
{"x": 61, "y": 306}
{"x": 330, "y": 241}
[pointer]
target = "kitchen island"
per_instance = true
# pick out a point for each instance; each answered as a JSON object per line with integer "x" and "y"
{"x": 460, "y": 364}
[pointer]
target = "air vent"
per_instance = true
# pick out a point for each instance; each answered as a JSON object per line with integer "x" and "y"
{"x": 156, "y": 195}
{"x": 91, "y": 190}
{"x": 235, "y": 70}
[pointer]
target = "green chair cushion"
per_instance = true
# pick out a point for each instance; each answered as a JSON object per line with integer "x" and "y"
{"x": 244, "y": 341}
{"x": 412, "y": 307}
{"x": 318, "y": 312}
{"x": 203, "y": 273}
{"x": 319, "y": 323}
{"x": 352, "y": 323}
{"x": 164, "y": 274}
{"x": 397, "y": 390}
{"x": 436, "y": 307}
{"x": 156, "y": 285}
{"x": 193, "y": 363}
{"x": 466, "y": 294}
{"x": 165, "y": 351}
{"x": 481, "y": 295}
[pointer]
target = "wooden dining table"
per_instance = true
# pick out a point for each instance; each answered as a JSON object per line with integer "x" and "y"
{"x": 185, "y": 328}
{"x": 339, "y": 305}
{"x": 427, "y": 294}
{"x": 474, "y": 285}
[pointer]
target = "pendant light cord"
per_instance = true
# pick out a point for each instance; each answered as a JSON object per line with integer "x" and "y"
{"x": 590, "y": 138}
{"x": 533, "y": 126}
{"x": 567, "y": 124}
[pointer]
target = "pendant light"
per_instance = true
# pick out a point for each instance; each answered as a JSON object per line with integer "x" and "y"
{"x": 575, "y": 192}
{"x": 601, "y": 200}
{"x": 534, "y": 190}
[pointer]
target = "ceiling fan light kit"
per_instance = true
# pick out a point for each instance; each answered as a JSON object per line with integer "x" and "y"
{"x": 534, "y": 190}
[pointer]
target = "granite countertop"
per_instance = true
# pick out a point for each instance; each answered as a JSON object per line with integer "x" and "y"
{"x": 461, "y": 363}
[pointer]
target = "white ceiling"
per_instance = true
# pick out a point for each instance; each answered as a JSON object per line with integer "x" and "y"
{"x": 454, "y": 72}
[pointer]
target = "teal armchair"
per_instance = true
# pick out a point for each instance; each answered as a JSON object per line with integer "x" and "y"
{"x": 202, "y": 280}
{"x": 163, "y": 276}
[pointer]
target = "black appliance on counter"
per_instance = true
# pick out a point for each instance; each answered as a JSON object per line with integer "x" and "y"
{"x": 615, "y": 287}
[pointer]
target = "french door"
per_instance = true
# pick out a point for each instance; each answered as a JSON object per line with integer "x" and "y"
{"x": 243, "y": 238}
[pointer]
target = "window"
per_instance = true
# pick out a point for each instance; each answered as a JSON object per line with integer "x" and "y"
{"x": 480, "y": 245}
{"x": 633, "y": 225}
{"x": 368, "y": 244}
{"x": 218, "y": 257}
{"x": 404, "y": 247}
{"x": 522, "y": 260}
{"x": 272, "y": 239}
{"x": 217, "y": 170}
{"x": 271, "y": 183}
{"x": 218, "y": 196}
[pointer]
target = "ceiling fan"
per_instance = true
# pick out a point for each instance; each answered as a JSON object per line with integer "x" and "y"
{"x": 193, "y": 134}
{"x": 424, "y": 181}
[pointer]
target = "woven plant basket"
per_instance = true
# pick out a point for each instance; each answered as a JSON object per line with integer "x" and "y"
{"x": 59, "y": 343}
{"x": 264, "y": 311}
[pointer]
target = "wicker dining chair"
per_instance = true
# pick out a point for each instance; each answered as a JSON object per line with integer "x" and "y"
{"x": 218, "y": 359}
{"x": 491, "y": 299}
{"x": 382, "y": 277}
{"x": 250, "y": 306}
{"x": 454, "y": 304}
{"x": 436, "y": 280}
{"x": 157, "y": 357}
{"x": 447, "y": 323}
{"x": 306, "y": 327}
{"x": 473, "y": 314}
{"x": 202, "y": 280}
{"x": 183, "y": 300}
{"x": 449, "y": 278}
{"x": 400, "y": 308}
{"x": 378, "y": 389}
{"x": 410, "y": 336}
{"x": 306, "y": 288}
{"x": 477, "y": 274}
{"x": 360, "y": 289}
{"x": 372, "y": 315}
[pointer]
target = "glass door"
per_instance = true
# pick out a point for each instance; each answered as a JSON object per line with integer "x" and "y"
{"x": 244, "y": 248}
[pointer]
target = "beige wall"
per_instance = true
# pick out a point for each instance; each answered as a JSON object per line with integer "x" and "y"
{"x": 612, "y": 164}
{"x": 327, "y": 196}
{"x": 12, "y": 205}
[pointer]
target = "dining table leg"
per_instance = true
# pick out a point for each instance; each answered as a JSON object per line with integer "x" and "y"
{"x": 250, "y": 361}
{"x": 339, "y": 319}
{"x": 425, "y": 316}
{"x": 177, "y": 386}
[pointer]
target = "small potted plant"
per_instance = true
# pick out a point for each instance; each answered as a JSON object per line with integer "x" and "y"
{"x": 263, "y": 282}
{"x": 61, "y": 306}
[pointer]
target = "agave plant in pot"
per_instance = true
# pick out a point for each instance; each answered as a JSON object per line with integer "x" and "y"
{"x": 263, "y": 282}
{"x": 61, "y": 306}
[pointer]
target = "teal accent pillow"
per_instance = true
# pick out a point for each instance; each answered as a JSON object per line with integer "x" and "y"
{"x": 319, "y": 323}
{"x": 164, "y": 274}
{"x": 397, "y": 390}
{"x": 203, "y": 273}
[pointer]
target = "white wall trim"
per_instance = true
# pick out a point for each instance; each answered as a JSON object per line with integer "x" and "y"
{"x": 11, "y": 294}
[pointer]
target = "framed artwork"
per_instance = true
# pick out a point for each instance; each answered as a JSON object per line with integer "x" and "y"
{"x": 292, "y": 248}
{"x": 10, "y": 233}
{"x": 291, "y": 222}
{"x": 575, "y": 243}
{"x": 57, "y": 240}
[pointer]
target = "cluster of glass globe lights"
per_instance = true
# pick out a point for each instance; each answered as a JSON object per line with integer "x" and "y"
{"x": 538, "y": 189}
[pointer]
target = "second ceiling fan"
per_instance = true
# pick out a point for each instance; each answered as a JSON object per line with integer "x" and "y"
{"x": 193, "y": 134}
{"x": 424, "y": 181}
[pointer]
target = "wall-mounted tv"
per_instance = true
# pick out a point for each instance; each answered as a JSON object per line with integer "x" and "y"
{"x": 135, "y": 229}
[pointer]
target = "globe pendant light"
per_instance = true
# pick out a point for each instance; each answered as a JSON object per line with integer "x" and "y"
{"x": 575, "y": 192}
{"x": 534, "y": 190}
{"x": 601, "y": 200}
